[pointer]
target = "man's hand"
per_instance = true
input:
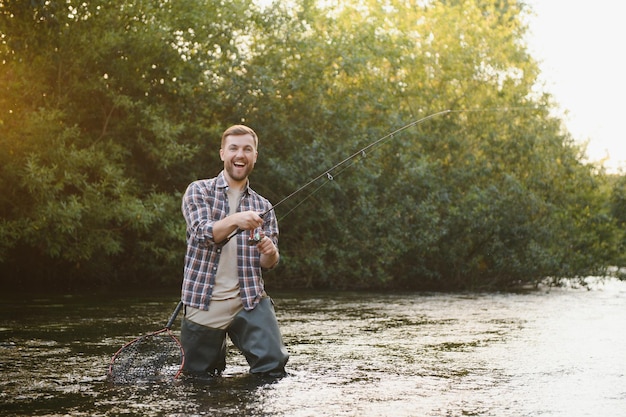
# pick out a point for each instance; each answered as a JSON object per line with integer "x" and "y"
{"x": 266, "y": 246}
{"x": 269, "y": 252}
{"x": 245, "y": 220}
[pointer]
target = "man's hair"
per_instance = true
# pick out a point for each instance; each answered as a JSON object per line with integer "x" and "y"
{"x": 237, "y": 130}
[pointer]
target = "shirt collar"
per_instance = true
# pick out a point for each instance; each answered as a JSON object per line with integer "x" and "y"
{"x": 222, "y": 183}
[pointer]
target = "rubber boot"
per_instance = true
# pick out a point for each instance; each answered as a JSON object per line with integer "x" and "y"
{"x": 205, "y": 349}
{"x": 256, "y": 334}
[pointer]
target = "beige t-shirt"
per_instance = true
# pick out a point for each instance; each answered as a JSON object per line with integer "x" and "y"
{"x": 227, "y": 278}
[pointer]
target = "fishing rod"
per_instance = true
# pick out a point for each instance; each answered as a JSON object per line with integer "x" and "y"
{"x": 363, "y": 152}
{"x": 255, "y": 237}
{"x": 360, "y": 152}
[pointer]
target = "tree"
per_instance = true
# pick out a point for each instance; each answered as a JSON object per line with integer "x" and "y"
{"x": 107, "y": 112}
{"x": 103, "y": 107}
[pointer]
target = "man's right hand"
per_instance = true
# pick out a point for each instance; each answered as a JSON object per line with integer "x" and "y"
{"x": 244, "y": 220}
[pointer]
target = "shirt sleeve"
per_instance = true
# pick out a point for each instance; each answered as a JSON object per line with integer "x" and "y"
{"x": 270, "y": 226}
{"x": 197, "y": 208}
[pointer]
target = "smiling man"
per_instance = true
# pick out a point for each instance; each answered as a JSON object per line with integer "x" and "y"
{"x": 223, "y": 289}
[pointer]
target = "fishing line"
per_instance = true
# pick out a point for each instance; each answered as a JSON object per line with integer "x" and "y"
{"x": 362, "y": 151}
{"x": 324, "y": 183}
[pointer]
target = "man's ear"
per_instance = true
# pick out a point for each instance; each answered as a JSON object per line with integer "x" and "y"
{"x": 222, "y": 154}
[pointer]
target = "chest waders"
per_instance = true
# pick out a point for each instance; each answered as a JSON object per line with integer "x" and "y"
{"x": 205, "y": 349}
{"x": 255, "y": 333}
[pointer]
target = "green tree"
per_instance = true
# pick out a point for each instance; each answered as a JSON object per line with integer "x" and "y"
{"x": 618, "y": 212}
{"x": 104, "y": 108}
{"x": 107, "y": 112}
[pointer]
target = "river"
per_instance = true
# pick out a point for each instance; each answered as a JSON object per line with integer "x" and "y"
{"x": 551, "y": 352}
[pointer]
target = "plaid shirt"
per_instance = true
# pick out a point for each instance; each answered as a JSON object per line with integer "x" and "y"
{"x": 204, "y": 203}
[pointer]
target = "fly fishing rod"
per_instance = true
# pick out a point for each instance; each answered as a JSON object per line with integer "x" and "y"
{"x": 363, "y": 152}
{"x": 360, "y": 152}
{"x": 255, "y": 238}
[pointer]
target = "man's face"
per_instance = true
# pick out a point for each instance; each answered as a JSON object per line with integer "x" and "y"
{"x": 239, "y": 155}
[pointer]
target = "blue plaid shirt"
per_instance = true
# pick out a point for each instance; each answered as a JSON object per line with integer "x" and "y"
{"x": 204, "y": 203}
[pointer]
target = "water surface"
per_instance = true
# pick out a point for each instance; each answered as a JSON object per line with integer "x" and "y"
{"x": 554, "y": 352}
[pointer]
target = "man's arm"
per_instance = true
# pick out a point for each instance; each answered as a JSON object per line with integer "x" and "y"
{"x": 245, "y": 220}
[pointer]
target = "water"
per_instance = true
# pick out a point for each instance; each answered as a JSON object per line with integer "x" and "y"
{"x": 558, "y": 352}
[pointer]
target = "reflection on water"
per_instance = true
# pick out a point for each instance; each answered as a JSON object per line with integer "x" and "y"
{"x": 552, "y": 353}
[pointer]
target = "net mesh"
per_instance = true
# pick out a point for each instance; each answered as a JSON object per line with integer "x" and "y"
{"x": 155, "y": 357}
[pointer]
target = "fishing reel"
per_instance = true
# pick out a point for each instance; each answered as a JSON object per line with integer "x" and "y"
{"x": 255, "y": 237}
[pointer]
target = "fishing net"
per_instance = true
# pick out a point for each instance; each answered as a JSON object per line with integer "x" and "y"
{"x": 155, "y": 357}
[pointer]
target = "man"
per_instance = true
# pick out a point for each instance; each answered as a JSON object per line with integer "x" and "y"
{"x": 223, "y": 289}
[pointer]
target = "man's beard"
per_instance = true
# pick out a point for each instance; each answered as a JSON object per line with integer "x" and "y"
{"x": 239, "y": 174}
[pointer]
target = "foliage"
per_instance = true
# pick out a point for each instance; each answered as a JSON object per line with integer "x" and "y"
{"x": 618, "y": 212}
{"x": 107, "y": 112}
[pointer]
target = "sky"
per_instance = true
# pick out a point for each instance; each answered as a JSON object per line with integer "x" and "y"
{"x": 579, "y": 46}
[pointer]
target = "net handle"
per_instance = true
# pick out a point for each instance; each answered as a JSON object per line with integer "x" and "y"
{"x": 170, "y": 322}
